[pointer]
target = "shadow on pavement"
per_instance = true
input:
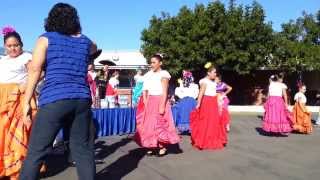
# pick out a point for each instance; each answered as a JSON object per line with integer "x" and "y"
{"x": 56, "y": 162}
{"x": 270, "y": 134}
{"x": 123, "y": 166}
{"x": 174, "y": 149}
{"x": 127, "y": 163}
{"x": 262, "y": 132}
{"x": 103, "y": 150}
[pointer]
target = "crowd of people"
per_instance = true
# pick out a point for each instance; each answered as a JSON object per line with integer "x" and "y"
{"x": 104, "y": 89}
{"x": 62, "y": 62}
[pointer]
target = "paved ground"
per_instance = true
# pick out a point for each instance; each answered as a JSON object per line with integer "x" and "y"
{"x": 249, "y": 155}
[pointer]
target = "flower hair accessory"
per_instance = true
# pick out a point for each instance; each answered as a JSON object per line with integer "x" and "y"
{"x": 160, "y": 54}
{"x": 208, "y": 65}
{"x": 187, "y": 78}
{"x": 187, "y": 74}
{"x": 8, "y": 29}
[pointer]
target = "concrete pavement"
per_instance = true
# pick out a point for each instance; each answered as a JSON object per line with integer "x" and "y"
{"x": 249, "y": 155}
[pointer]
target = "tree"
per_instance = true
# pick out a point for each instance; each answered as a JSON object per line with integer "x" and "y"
{"x": 297, "y": 46}
{"x": 235, "y": 38}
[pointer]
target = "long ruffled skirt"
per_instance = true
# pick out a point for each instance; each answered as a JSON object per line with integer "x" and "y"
{"x": 223, "y": 104}
{"x": 14, "y": 134}
{"x": 184, "y": 107}
{"x": 277, "y": 117}
{"x": 207, "y": 127}
{"x": 153, "y": 129}
{"x": 301, "y": 120}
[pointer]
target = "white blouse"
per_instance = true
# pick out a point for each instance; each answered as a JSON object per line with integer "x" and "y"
{"x": 14, "y": 70}
{"x": 114, "y": 82}
{"x": 276, "y": 88}
{"x": 300, "y": 96}
{"x": 152, "y": 82}
{"x": 211, "y": 87}
{"x": 191, "y": 91}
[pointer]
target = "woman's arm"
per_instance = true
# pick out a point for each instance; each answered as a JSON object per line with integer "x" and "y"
{"x": 35, "y": 67}
{"x": 34, "y": 73}
{"x": 229, "y": 89}
{"x": 203, "y": 87}
{"x": 285, "y": 96}
{"x": 145, "y": 97}
{"x": 22, "y": 86}
{"x": 93, "y": 48}
{"x": 163, "y": 101}
{"x": 195, "y": 91}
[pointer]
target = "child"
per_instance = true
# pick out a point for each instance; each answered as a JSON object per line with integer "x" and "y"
{"x": 223, "y": 90}
{"x": 301, "y": 115}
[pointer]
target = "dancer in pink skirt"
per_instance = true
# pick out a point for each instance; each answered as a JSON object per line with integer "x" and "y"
{"x": 277, "y": 118}
{"x": 223, "y": 89}
{"x": 155, "y": 126}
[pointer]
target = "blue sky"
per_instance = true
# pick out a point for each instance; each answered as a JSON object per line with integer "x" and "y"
{"x": 117, "y": 24}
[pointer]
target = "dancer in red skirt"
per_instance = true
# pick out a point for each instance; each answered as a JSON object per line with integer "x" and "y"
{"x": 155, "y": 126}
{"x": 207, "y": 128}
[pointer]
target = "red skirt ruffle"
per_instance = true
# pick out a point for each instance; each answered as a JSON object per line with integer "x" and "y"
{"x": 207, "y": 126}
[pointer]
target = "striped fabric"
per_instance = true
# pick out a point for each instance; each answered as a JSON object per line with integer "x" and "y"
{"x": 65, "y": 68}
{"x": 14, "y": 134}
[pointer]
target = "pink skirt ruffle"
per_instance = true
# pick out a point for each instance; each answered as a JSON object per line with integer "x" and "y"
{"x": 277, "y": 117}
{"x": 153, "y": 129}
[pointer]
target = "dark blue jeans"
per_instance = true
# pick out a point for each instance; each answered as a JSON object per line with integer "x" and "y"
{"x": 49, "y": 120}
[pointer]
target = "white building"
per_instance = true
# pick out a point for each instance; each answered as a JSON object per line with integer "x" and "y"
{"x": 122, "y": 60}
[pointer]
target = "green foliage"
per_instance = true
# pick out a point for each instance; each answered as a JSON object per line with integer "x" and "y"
{"x": 297, "y": 46}
{"x": 235, "y": 38}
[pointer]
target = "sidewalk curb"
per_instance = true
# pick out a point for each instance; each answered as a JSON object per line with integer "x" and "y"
{"x": 260, "y": 109}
